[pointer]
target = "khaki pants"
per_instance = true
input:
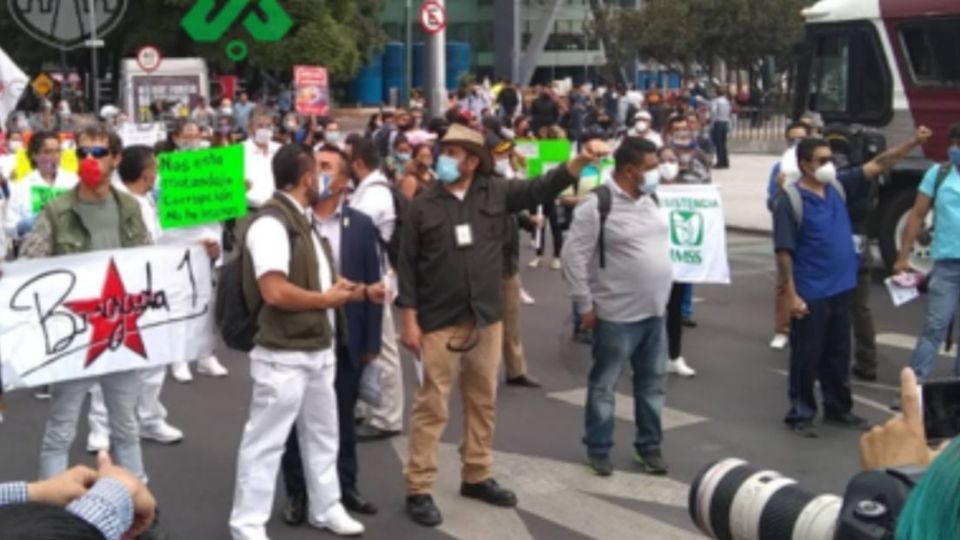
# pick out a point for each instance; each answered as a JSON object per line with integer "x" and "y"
{"x": 781, "y": 307}
{"x": 478, "y": 388}
{"x": 513, "y": 356}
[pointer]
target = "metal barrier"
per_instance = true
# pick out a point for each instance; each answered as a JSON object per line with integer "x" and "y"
{"x": 759, "y": 124}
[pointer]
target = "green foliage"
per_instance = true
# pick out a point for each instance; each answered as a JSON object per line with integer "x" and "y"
{"x": 338, "y": 34}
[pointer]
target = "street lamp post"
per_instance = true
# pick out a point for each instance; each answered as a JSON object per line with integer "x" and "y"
{"x": 94, "y": 43}
{"x": 408, "y": 34}
{"x": 437, "y": 71}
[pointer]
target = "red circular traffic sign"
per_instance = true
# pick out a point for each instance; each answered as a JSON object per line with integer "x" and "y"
{"x": 433, "y": 17}
{"x": 149, "y": 58}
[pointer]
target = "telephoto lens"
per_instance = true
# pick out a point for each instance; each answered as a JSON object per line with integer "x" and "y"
{"x": 731, "y": 500}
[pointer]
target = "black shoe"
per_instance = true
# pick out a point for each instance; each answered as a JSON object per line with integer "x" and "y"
{"x": 601, "y": 465}
{"x": 368, "y": 433}
{"x": 804, "y": 430}
{"x": 355, "y": 502}
{"x": 295, "y": 511}
{"x": 489, "y": 492}
{"x": 864, "y": 375}
{"x": 846, "y": 420}
{"x": 422, "y": 510}
{"x": 651, "y": 462}
{"x": 523, "y": 381}
{"x": 689, "y": 322}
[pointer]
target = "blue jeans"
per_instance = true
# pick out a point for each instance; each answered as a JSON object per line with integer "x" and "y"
{"x": 640, "y": 344}
{"x": 944, "y": 294}
{"x": 686, "y": 308}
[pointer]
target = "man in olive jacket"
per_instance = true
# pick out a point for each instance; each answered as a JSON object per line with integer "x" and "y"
{"x": 450, "y": 268}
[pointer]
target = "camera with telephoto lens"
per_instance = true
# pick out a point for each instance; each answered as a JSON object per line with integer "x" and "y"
{"x": 732, "y": 500}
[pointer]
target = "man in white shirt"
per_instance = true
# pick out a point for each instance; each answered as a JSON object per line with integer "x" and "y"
{"x": 44, "y": 153}
{"x": 289, "y": 273}
{"x": 374, "y": 198}
{"x": 258, "y": 152}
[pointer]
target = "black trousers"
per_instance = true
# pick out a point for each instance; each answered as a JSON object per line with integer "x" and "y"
{"x": 820, "y": 350}
{"x": 675, "y": 321}
{"x": 558, "y": 223}
{"x": 719, "y": 134}
{"x": 346, "y": 384}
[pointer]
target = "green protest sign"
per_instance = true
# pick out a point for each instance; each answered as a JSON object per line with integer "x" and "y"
{"x": 543, "y": 156}
{"x": 205, "y": 186}
{"x": 41, "y": 195}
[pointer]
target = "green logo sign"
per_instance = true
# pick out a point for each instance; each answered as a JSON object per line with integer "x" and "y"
{"x": 204, "y": 27}
{"x": 686, "y": 228}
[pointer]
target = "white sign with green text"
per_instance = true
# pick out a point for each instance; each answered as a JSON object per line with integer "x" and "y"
{"x": 698, "y": 238}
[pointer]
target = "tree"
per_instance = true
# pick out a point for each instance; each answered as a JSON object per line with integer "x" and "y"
{"x": 339, "y": 34}
{"x": 608, "y": 27}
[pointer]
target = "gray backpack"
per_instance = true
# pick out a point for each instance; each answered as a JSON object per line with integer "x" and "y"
{"x": 792, "y": 191}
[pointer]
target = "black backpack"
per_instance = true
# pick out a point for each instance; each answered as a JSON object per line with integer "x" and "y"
{"x": 604, "y": 205}
{"x": 400, "y": 203}
{"x": 236, "y": 321}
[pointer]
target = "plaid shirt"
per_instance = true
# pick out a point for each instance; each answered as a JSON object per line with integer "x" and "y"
{"x": 107, "y": 506}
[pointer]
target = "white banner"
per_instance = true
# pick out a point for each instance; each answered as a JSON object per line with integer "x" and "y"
{"x": 13, "y": 81}
{"x": 79, "y": 316}
{"x": 698, "y": 236}
{"x": 142, "y": 134}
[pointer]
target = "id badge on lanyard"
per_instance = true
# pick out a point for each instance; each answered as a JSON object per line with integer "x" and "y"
{"x": 464, "y": 235}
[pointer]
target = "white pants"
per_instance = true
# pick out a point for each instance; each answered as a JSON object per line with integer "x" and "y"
{"x": 283, "y": 395}
{"x": 149, "y": 409}
{"x": 389, "y": 415}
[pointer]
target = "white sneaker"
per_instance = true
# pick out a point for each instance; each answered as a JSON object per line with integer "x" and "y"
{"x": 535, "y": 263}
{"x": 680, "y": 367}
{"x": 161, "y": 432}
{"x": 212, "y": 367}
{"x": 181, "y": 372}
{"x": 555, "y": 264}
{"x": 339, "y": 522}
{"x": 779, "y": 342}
{"x": 97, "y": 441}
{"x": 526, "y": 298}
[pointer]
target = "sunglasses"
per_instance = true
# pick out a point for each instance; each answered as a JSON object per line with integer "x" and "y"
{"x": 96, "y": 152}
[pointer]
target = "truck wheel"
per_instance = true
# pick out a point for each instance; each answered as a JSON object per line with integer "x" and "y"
{"x": 893, "y": 220}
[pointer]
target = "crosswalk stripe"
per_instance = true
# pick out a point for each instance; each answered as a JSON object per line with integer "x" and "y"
{"x": 623, "y": 409}
{"x": 902, "y": 341}
{"x": 873, "y": 404}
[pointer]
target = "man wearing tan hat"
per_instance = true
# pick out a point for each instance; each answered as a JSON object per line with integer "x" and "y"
{"x": 450, "y": 268}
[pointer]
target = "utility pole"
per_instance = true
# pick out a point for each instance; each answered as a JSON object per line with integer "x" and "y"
{"x": 94, "y": 44}
{"x": 436, "y": 59}
{"x": 408, "y": 32}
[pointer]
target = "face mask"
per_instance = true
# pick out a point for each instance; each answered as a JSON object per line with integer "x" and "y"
{"x": 794, "y": 142}
{"x": 502, "y": 167}
{"x": 642, "y": 126}
{"x": 651, "y": 179}
{"x": 332, "y": 137}
{"x": 14, "y": 146}
{"x": 826, "y": 173}
{"x": 954, "y": 154}
{"x": 292, "y": 127}
{"x": 263, "y": 136}
{"x": 90, "y": 173}
{"x": 669, "y": 170}
{"x": 683, "y": 139}
{"x": 323, "y": 191}
{"x": 190, "y": 145}
{"x": 448, "y": 169}
{"x": 403, "y": 157}
{"x": 227, "y": 111}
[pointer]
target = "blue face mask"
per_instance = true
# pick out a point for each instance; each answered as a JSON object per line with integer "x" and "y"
{"x": 954, "y": 154}
{"x": 651, "y": 180}
{"x": 323, "y": 190}
{"x": 403, "y": 157}
{"x": 448, "y": 169}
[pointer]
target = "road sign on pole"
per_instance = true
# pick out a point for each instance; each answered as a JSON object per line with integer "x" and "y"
{"x": 149, "y": 58}
{"x": 433, "y": 17}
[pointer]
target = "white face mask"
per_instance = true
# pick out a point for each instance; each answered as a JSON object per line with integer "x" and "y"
{"x": 669, "y": 170}
{"x": 14, "y": 146}
{"x": 263, "y": 136}
{"x": 503, "y": 168}
{"x": 826, "y": 173}
{"x": 642, "y": 126}
{"x": 651, "y": 179}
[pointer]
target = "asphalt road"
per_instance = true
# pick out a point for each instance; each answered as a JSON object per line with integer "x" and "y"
{"x": 733, "y": 408}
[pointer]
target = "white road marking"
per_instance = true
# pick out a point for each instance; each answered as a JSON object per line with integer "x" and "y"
{"x": 560, "y": 492}
{"x": 903, "y": 341}
{"x": 623, "y": 409}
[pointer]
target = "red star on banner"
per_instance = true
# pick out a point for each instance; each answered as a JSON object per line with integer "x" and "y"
{"x": 113, "y": 317}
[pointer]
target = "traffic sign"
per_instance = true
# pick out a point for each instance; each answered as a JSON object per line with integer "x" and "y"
{"x": 433, "y": 17}
{"x": 43, "y": 84}
{"x": 149, "y": 58}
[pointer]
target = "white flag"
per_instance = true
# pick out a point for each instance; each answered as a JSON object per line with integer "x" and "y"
{"x": 13, "y": 81}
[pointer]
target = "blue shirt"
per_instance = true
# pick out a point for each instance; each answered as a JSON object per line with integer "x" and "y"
{"x": 107, "y": 505}
{"x": 773, "y": 186}
{"x": 825, "y": 262}
{"x": 946, "y": 241}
